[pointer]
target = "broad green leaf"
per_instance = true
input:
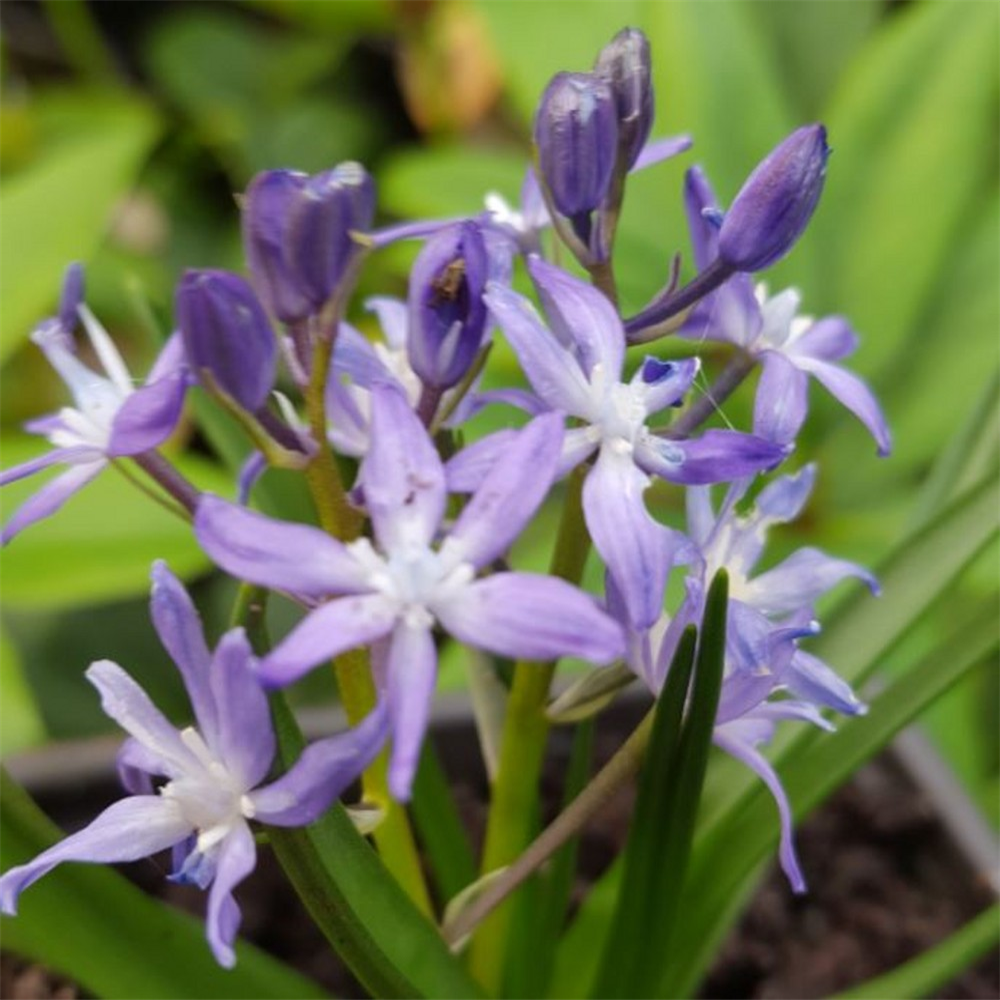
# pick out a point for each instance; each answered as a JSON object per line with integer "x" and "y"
{"x": 332, "y": 18}
{"x": 21, "y": 724}
{"x": 921, "y": 101}
{"x": 95, "y": 926}
{"x": 99, "y": 547}
{"x": 57, "y": 208}
{"x": 926, "y": 974}
{"x": 387, "y": 943}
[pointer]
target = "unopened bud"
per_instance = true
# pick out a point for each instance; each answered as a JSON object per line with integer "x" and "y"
{"x": 624, "y": 64}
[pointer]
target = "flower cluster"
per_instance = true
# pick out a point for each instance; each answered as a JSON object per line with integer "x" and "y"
{"x": 417, "y": 548}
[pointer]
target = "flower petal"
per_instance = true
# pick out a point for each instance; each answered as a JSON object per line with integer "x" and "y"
{"x": 133, "y": 828}
{"x": 50, "y": 498}
{"x": 828, "y": 339}
{"x": 658, "y": 150}
{"x": 552, "y": 370}
{"x": 236, "y": 860}
{"x": 327, "y": 631}
{"x": 402, "y": 475}
{"x": 179, "y": 627}
{"x": 355, "y": 357}
{"x": 412, "y": 674}
{"x": 782, "y": 399}
{"x": 802, "y": 578}
{"x": 663, "y": 383}
{"x": 582, "y": 316}
{"x": 467, "y": 470}
{"x": 637, "y": 549}
{"x": 262, "y": 550}
{"x": 511, "y": 493}
{"x": 715, "y": 457}
{"x": 809, "y": 677}
{"x": 392, "y": 317}
{"x": 531, "y": 617}
{"x": 322, "y": 772}
{"x": 81, "y": 454}
{"x": 148, "y": 416}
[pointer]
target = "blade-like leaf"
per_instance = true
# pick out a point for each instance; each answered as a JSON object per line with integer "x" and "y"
{"x": 21, "y": 723}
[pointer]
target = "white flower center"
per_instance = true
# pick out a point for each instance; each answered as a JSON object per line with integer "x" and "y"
{"x": 619, "y": 411}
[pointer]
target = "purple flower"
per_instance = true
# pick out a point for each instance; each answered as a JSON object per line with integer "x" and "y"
{"x": 624, "y": 63}
{"x": 397, "y": 589}
{"x": 790, "y": 347}
{"x": 576, "y": 369}
{"x": 207, "y": 776}
{"x": 111, "y": 418}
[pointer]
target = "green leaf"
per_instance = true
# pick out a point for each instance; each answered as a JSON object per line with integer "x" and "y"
{"x": 924, "y": 975}
{"x": 58, "y": 208}
{"x": 93, "y": 925}
{"x": 921, "y": 100}
{"x": 21, "y": 723}
{"x": 387, "y": 943}
{"x": 101, "y": 545}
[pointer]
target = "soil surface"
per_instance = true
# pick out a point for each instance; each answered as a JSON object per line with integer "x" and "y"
{"x": 885, "y": 883}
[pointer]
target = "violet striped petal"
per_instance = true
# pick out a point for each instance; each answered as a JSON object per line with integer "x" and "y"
{"x": 511, "y": 492}
{"x": 531, "y": 617}
{"x": 466, "y": 471}
{"x": 148, "y": 416}
{"x": 259, "y": 549}
{"x": 236, "y": 859}
{"x": 701, "y": 206}
{"x": 179, "y": 627}
{"x": 402, "y": 475}
{"x": 580, "y": 315}
{"x": 325, "y": 632}
{"x": 77, "y": 454}
{"x": 715, "y": 457}
{"x": 852, "y": 392}
{"x": 800, "y": 580}
{"x": 579, "y": 443}
{"x": 50, "y": 498}
{"x": 782, "y": 399}
{"x": 133, "y": 828}
{"x": 828, "y": 339}
{"x": 658, "y": 150}
{"x": 392, "y": 317}
{"x": 322, "y": 772}
{"x": 809, "y": 677}
{"x": 355, "y": 357}
{"x": 636, "y": 548}
{"x": 170, "y": 360}
{"x": 783, "y": 500}
{"x": 412, "y": 674}
{"x": 245, "y": 742}
{"x": 552, "y": 370}
{"x": 663, "y": 383}
{"x": 137, "y": 766}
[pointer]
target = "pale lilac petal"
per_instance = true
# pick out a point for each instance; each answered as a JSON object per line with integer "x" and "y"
{"x": 402, "y": 475}
{"x": 533, "y": 208}
{"x": 663, "y": 383}
{"x": 322, "y": 772}
{"x": 579, "y": 443}
{"x": 511, "y": 493}
{"x": 531, "y": 617}
{"x": 78, "y": 454}
{"x": 125, "y": 702}
{"x": 250, "y": 472}
{"x": 326, "y": 632}
{"x": 852, "y": 392}
{"x": 355, "y": 357}
{"x": 170, "y": 359}
{"x": 637, "y": 549}
{"x": 581, "y": 315}
{"x": 148, "y": 416}
{"x": 45, "y": 425}
{"x": 700, "y": 516}
{"x": 412, "y": 674}
{"x": 701, "y": 208}
{"x": 790, "y": 710}
{"x": 137, "y": 766}
{"x": 809, "y": 677}
{"x": 828, "y": 339}
{"x": 179, "y": 627}
{"x": 236, "y": 860}
{"x": 50, "y": 498}
{"x": 802, "y": 578}
{"x": 466, "y": 471}
{"x": 133, "y": 828}
{"x": 689, "y": 613}
{"x": 552, "y": 370}
{"x": 520, "y": 399}
{"x": 392, "y": 317}
{"x": 715, "y": 457}
{"x": 732, "y": 314}
{"x": 245, "y": 740}
{"x": 658, "y": 150}
{"x": 271, "y": 553}
{"x": 783, "y": 500}
{"x": 730, "y": 738}
{"x": 782, "y": 399}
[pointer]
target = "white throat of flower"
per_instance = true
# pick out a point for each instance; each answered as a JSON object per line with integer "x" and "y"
{"x": 618, "y": 412}
{"x": 781, "y": 324}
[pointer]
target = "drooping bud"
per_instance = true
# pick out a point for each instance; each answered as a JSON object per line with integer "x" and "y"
{"x": 776, "y": 203}
{"x": 447, "y": 315}
{"x": 576, "y": 132}
{"x": 71, "y": 297}
{"x": 297, "y": 234}
{"x": 624, "y": 64}
{"x": 226, "y": 333}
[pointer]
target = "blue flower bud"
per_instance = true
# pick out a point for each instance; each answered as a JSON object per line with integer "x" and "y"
{"x": 226, "y": 332}
{"x": 576, "y": 132}
{"x": 71, "y": 297}
{"x": 624, "y": 64}
{"x": 775, "y": 204}
{"x": 447, "y": 315}
{"x": 297, "y": 234}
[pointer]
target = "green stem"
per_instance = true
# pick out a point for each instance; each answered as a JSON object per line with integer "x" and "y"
{"x": 169, "y": 505}
{"x": 522, "y": 749}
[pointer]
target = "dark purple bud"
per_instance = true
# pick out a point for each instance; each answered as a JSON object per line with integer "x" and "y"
{"x": 270, "y": 202}
{"x": 625, "y": 65}
{"x": 776, "y": 202}
{"x": 71, "y": 297}
{"x": 576, "y": 132}
{"x": 447, "y": 314}
{"x": 225, "y": 330}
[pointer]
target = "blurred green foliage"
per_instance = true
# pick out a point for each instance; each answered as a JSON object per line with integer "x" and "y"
{"x": 128, "y": 157}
